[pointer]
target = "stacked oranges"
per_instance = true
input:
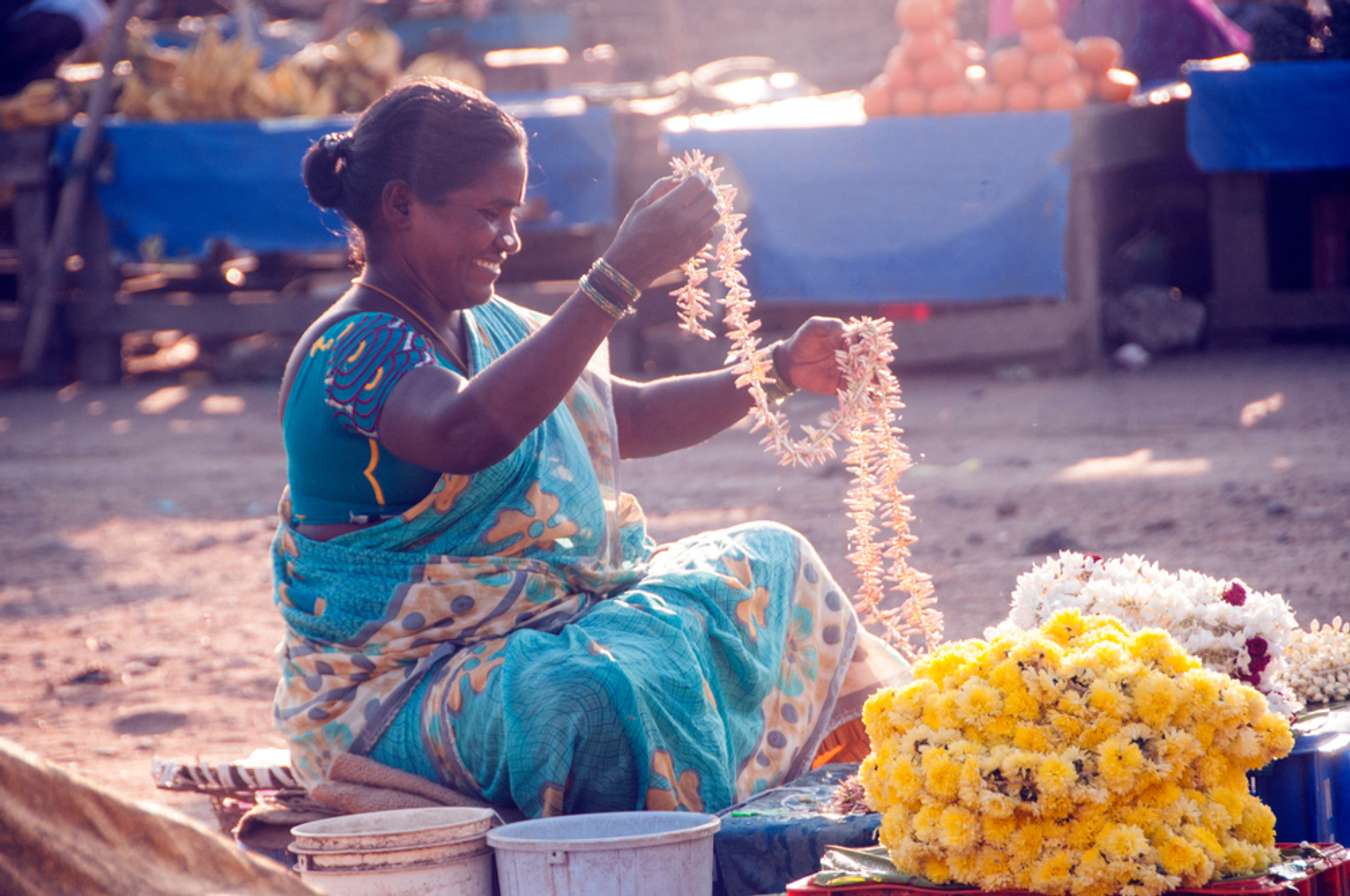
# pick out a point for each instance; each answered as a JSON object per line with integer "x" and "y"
{"x": 932, "y": 72}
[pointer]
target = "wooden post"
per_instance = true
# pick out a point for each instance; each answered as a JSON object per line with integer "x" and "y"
{"x": 31, "y": 208}
{"x": 72, "y": 195}
{"x": 98, "y": 355}
{"x": 1085, "y": 270}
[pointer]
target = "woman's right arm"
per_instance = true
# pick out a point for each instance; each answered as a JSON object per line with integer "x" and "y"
{"x": 439, "y": 420}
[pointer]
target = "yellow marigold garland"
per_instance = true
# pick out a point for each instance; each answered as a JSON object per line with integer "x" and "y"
{"x": 869, "y": 405}
{"x": 1078, "y": 758}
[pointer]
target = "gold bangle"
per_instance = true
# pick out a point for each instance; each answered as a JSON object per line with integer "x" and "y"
{"x": 605, "y": 305}
{"x": 624, "y": 284}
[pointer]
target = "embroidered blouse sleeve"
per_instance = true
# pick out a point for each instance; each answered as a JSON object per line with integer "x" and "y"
{"x": 370, "y": 354}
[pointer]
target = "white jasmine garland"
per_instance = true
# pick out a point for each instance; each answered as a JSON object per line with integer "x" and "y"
{"x": 1318, "y": 659}
{"x": 1231, "y": 627}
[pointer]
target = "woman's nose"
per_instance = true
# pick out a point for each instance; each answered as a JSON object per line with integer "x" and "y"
{"x": 509, "y": 240}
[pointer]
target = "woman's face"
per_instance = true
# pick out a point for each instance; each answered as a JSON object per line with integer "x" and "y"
{"x": 460, "y": 242}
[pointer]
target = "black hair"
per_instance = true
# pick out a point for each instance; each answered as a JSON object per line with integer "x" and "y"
{"x": 434, "y": 134}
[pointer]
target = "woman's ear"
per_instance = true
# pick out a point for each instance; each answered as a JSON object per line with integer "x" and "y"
{"x": 396, "y": 205}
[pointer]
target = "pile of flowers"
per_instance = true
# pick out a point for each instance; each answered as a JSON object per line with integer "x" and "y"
{"x": 1231, "y": 627}
{"x": 866, "y": 418}
{"x": 1318, "y": 662}
{"x": 1078, "y": 758}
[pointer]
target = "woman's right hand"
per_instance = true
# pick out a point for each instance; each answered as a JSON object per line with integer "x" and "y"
{"x": 667, "y": 225}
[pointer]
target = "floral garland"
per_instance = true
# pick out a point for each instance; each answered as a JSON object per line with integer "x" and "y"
{"x": 869, "y": 405}
{"x": 1230, "y": 627}
{"x": 1077, "y": 759}
{"x": 1318, "y": 663}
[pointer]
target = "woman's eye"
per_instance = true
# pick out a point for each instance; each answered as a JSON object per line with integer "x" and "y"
{"x": 490, "y": 214}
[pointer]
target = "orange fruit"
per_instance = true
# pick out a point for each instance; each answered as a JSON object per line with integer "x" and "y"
{"x": 1052, "y": 68}
{"x": 1035, "y": 13}
{"x": 950, "y": 99}
{"x": 909, "y": 101}
{"x": 1009, "y": 65}
{"x": 1117, "y": 85}
{"x": 1046, "y": 39}
{"x": 917, "y": 46}
{"x": 941, "y": 71}
{"x": 898, "y": 74}
{"x": 1022, "y": 97}
{"x": 986, "y": 98}
{"x": 919, "y": 15}
{"x": 1098, "y": 55}
{"x": 1069, "y": 94}
{"x": 877, "y": 98}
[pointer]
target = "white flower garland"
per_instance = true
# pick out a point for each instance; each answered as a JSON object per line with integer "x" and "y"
{"x": 1230, "y": 627}
{"x": 1318, "y": 662}
{"x": 869, "y": 408}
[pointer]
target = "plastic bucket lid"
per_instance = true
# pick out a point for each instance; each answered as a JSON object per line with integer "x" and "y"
{"x": 603, "y": 830}
{"x": 392, "y": 830}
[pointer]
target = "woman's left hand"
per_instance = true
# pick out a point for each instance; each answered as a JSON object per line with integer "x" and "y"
{"x": 809, "y": 357}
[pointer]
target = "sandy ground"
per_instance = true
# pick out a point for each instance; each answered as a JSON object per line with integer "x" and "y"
{"x": 135, "y": 609}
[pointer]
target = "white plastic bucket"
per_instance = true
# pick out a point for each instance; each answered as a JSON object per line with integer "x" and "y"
{"x": 403, "y": 852}
{"x": 610, "y": 853}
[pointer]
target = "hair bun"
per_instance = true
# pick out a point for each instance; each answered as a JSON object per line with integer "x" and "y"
{"x": 323, "y": 166}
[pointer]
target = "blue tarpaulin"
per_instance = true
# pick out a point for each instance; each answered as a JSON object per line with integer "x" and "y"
{"x": 493, "y": 32}
{"x": 1274, "y": 116}
{"x": 779, "y": 835}
{"x": 184, "y": 184}
{"x": 962, "y": 209}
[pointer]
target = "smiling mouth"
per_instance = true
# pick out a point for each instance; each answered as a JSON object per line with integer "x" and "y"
{"x": 492, "y": 267}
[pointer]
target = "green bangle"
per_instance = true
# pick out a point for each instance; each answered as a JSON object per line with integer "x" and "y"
{"x": 625, "y": 285}
{"x": 605, "y": 305}
{"x": 607, "y": 287}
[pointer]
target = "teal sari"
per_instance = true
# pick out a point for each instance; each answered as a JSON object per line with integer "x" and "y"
{"x": 517, "y": 635}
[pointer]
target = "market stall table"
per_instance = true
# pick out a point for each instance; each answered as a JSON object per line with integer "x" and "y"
{"x": 1248, "y": 128}
{"x": 980, "y": 232}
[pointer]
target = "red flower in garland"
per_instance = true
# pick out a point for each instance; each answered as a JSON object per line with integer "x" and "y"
{"x": 1259, "y": 652}
{"x": 1235, "y": 595}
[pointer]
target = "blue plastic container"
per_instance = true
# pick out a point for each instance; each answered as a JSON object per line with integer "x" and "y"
{"x": 1309, "y": 790}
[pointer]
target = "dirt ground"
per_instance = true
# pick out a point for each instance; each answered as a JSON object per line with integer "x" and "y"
{"x": 135, "y": 610}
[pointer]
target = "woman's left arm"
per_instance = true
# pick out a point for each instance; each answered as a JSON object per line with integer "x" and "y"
{"x": 681, "y": 411}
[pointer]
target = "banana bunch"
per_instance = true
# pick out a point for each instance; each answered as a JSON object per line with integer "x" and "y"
{"x": 223, "y": 79}
{"x": 40, "y": 104}
{"x": 356, "y": 67}
{"x": 203, "y": 83}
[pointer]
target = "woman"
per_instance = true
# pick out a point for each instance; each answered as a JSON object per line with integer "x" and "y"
{"x": 468, "y": 595}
